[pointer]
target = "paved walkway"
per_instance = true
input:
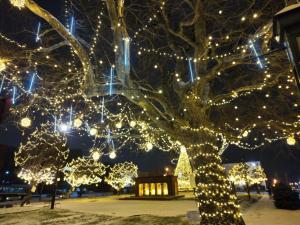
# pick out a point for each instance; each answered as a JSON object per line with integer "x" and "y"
{"x": 265, "y": 213}
{"x": 25, "y": 208}
{"x": 112, "y": 206}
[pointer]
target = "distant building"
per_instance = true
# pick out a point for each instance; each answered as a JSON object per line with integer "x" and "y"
{"x": 156, "y": 186}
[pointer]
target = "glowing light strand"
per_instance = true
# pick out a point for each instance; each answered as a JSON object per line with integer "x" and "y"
{"x": 102, "y": 111}
{"x": 2, "y": 83}
{"x": 111, "y": 80}
{"x": 14, "y": 95}
{"x": 31, "y": 82}
{"x": 191, "y": 71}
{"x": 256, "y": 54}
{"x": 37, "y": 38}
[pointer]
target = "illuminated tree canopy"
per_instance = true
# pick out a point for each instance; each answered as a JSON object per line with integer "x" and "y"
{"x": 82, "y": 171}
{"x": 166, "y": 74}
{"x": 41, "y": 157}
{"x": 122, "y": 175}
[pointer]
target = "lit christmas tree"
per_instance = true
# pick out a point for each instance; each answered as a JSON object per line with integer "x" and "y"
{"x": 184, "y": 172}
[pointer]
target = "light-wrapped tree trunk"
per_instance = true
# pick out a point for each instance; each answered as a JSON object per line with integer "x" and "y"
{"x": 217, "y": 201}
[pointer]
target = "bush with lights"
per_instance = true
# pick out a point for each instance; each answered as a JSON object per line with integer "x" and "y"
{"x": 122, "y": 175}
{"x": 84, "y": 171}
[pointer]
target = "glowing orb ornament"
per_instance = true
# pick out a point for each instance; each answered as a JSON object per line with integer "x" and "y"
{"x": 18, "y": 3}
{"x": 291, "y": 140}
{"x": 149, "y": 146}
{"x": 25, "y": 122}
{"x": 77, "y": 123}
{"x": 245, "y": 134}
{"x": 132, "y": 123}
{"x": 182, "y": 149}
{"x": 112, "y": 155}
{"x": 93, "y": 131}
{"x": 119, "y": 125}
{"x": 96, "y": 155}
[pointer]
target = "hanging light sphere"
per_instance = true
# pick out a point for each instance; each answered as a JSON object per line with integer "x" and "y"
{"x": 149, "y": 146}
{"x": 77, "y": 123}
{"x": 26, "y": 122}
{"x": 112, "y": 155}
{"x": 96, "y": 155}
{"x": 132, "y": 123}
{"x": 119, "y": 125}
{"x": 18, "y": 3}
{"x": 93, "y": 131}
{"x": 245, "y": 134}
{"x": 291, "y": 140}
{"x": 182, "y": 149}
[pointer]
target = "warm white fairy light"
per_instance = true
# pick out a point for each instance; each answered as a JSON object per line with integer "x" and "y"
{"x": 96, "y": 155}
{"x": 77, "y": 123}
{"x": 132, "y": 123}
{"x": 93, "y": 131}
{"x": 18, "y": 3}
{"x": 149, "y": 146}
{"x": 119, "y": 125}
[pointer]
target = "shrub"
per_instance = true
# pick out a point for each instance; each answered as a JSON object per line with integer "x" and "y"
{"x": 285, "y": 197}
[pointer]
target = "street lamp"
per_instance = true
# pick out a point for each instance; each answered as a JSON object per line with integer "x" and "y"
{"x": 286, "y": 31}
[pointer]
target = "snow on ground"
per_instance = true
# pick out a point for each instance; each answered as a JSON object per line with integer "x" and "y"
{"x": 112, "y": 206}
{"x": 264, "y": 213}
{"x": 110, "y": 210}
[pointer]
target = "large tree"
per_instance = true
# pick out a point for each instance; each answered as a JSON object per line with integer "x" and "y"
{"x": 197, "y": 73}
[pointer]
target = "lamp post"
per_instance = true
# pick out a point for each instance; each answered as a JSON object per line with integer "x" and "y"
{"x": 286, "y": 31}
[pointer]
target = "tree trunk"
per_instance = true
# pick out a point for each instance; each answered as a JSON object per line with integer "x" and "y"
{"x": 217, "y": 201}
{"x": 257, "y": 189}
{"x": 248, "y": 190}
{"x": 41, "y": 192}
{"x": 54, "y": 193}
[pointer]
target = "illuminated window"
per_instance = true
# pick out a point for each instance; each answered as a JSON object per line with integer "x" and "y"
{"x": 159, "y": 189}
{"x": 147, "y": 192}
{"x": 165, "y": 189}
{"x": 153, "y": 191}
{"x": 141, "y": 189}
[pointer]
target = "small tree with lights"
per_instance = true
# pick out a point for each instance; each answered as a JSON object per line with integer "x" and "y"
{"x": 122, "y": 175}
{"x": 258, "y": 176}
{"x": 41, "y": 159}
{"x": 240, "y": 174}
{"x": 84, "y": 171}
